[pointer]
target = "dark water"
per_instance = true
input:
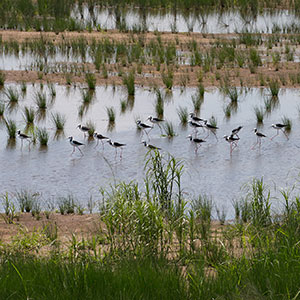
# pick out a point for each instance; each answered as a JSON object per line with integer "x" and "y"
{"x": 212, "y": 171}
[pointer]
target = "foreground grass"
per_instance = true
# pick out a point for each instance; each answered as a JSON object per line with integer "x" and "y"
{"x": 150, "y": 245}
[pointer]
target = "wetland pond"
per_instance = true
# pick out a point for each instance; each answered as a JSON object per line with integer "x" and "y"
{"x": 53, "y": 172}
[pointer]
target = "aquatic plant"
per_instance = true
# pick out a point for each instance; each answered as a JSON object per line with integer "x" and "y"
{"x": 167, "y": 78}
{"x": 59, "y": 120}
{"x": 11, "y": 128}
{"x": 2, "y": 79}
{"x": 12, "y": 95}
{"x": 90, "y": 79}
{"x": 66, "y": 204}
{"x": 287, "y": 122}
{"x": 128, "y": 81}
{"x": 2, "y": 109}
{"x": 259, "y": 113}
{"x": 169, "y": 129}
{"x": 111, "y": 114}
{"x": 40, "y": 99}
{"x": 92, "y": 127}
{"x": 274, "y": 88}
{"x": 29, "y": 114}
{"x": 159, "y": 105}
{"x": 42, "y": 136}
{"x": 183, "y": 115}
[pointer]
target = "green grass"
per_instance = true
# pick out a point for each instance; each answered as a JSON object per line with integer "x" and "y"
{"x": 274, "y": 88}
{"x": 12, "y": 95}
{"x": 183, "y": 115}
{"x": 2, "y": 109}
{"x": 92, "y": 126}
{"x": 128, "y": 81}
{"x": 40, "y": 99}
{"x": 29, "y": 115}
{"x": 259, "y": 113}
{"x": 59, "y": 120}
{"x": 90, "y": 79}
{"x": 11, "y": 128}
{"x": 111, "y": 113}
{"x": 288, "y": 122}
{"x": 42, "y": 136}
{"x": 159, "y": 105}
{"x": 169, "y": 129}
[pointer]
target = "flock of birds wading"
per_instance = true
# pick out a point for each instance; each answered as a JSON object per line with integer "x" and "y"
{"x": 195, "y": 123}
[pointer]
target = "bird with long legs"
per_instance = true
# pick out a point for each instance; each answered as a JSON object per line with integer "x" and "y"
{"x": 116, "y": 145}
{"x": 143, "y": 127}
{"x": 84, "y": 129}
{"x": 156, "y": 121}
{"x": 235, "y": 131}
{"x": 195, "y": 126}
{"x": 75, "y": 145}
{"x": 232, "y": 140}
{"x": 100, "y": 137}
{"x": 23, "y": 136}
{"x": 211, "y": 129}
{"x": 149, "y": 146}
{"x": 259, "y": 136}
{"x": 196, "y": 141}
{"x": 280, "y": 127}
{"x": 195, "y": 118}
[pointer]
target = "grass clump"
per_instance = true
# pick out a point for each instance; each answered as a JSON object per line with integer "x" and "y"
{"x": 111, "y": 114}
{"x": 128, "y": 81}
{"x": 167, "y": 78}
{"x": 26, "y": 200}
{"x": 90, "y": 79}
{"x": 274, "y": 88}
{"x": 59, "y": 120}
{"x": 40, "y": 99}
{"x": 12, "y": 95}
{"x": 42, "y": 136}
{"x": 183, "y": 115}
{"x": 259, "y": 113}
{"x": 11, "y": 128}
{"x": 2, "y": 109}
{"x": 169, "y": 129}
{"x": 159, "y": 105}
{"x": 92, "y": 126}
{"x": 287, "y": 122}
{"x": 29, "y": 115}
{"x": 67, "y": 204}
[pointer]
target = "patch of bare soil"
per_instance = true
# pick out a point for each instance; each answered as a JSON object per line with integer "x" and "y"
{"x": 183, "y": 75}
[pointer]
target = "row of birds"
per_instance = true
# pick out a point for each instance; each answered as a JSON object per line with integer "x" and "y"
{"x": 195, "y": 122}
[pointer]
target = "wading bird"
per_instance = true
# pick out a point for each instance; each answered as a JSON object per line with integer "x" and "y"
{"x": 75, "y": 145}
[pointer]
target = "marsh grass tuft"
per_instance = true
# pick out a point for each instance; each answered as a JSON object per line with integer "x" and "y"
{"x": 159, "y": 105}
{"x": 183, "y": 115}
{"x": 11, "y": 128}
{"x": 128, "y": 81}
{"x": 42, "y": 136}
{"x": 288, "y": 122}
{"x": 12, "y": 95}
{"x": 259, "y": 113}
{"x": 111, "y": 114}
{"x": 92, "y": 126}
{"x": 59, "y": 120}
{"x": 2, "y": 109}
{"x": 2, "y": 79}
{"x": 29, "y": 115}
{"x": 274, "y": 88}
{"x": 90, "y": 80}
{"x": 169, "y": 129}
{"x": 40, "y": 99}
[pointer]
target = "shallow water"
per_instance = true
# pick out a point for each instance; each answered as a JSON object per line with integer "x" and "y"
{"x": 211, "y": 22}
{"x": 212, "y": 171}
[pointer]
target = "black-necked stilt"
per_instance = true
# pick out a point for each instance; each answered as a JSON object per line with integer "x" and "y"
{"x": 211, "y": 128}
{"x": 278, "y": 127}
{"x": 100, "y": 137}
{"x": 116, "y": 145}
{"x": 232, "y": 140}
{"x": 195, "y": 118}
{"x": 84, "y": 129}
{"x": 143, "y": 126}
{"x": 197, "y": 141}
{"x": 151, "y": 147}
{"x": 195, "y": 125}
{"x": 75, "y": 144}
{"x": 259, "y": 137}
{"x": 23, "y": 136}
{"x": 156, "y": 121}
{"x": 235, "y": 131}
